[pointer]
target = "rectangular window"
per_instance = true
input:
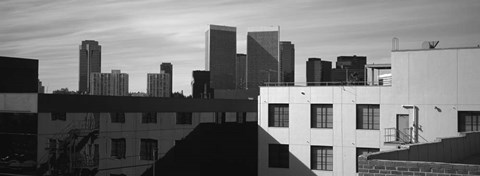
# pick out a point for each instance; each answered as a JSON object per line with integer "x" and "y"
{"x": 147, "y": 147}
{"x": 468, "y": 121}
{"x": 278, "y": 156}
{"x": 117, "y": 117}
{"x": 220, "y": 117}
{"x": 361, "y": 151}
{"x": 278, "y": 115}
{"x": 59, "y": 116}
{"x": 368, "y": 117}
{"x": 118, "y": 148}
{"x": 149, "y": 117}
{"x": 322, "y": 116}
{"x": 184, "y": 118}
{"x": 322, "y": 158}
{"x": 241, "y": 117}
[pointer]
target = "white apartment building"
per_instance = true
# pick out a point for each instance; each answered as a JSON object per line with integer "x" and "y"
{"x": 158, "y": 84}
{"x": 113, "y": 84}
{"x": 320, "y": 130}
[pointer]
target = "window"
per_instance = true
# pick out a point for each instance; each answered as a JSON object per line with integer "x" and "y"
{"x": 361, "y": 151}
{"x": 278, "y": 115}
{"x": 278, "y": 156}
{"x": 368, "y": 117}
{"x": 59, "y": 116}
{"x": 322, "y": 116}
{"x": 117, "y": 117}
{"x": 241, "y": 117}
{"x": 184, "y": 118}
{"x": 147, "y": 147}
{"x": 149, "y": 117}
{"x": 468, "y": 121}
{"x": 322, "y": 158}
{"x": 118, "y": 148}
{"x": 220, "y": 117}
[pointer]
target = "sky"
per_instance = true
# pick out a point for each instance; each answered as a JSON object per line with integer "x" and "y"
{"x": 137, "y": 36}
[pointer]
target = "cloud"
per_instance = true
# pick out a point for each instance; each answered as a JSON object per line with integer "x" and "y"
{"x": 137, "y": 36}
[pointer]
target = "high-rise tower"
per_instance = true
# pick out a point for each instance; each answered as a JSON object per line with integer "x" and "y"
{"x": 167, "y": 67}
{"x": 90, "y": 62}
{"x": 220, "y": 55}
{"x": 287, "y": 62}
{"x": 263, "y": 55}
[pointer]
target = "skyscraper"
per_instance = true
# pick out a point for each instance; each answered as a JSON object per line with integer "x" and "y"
{"x": 241, "y": 71}
{"x": 262, "y": 56}
{"x": 158, "y": 84}
{"x": 318, "y": 71}
{"x": 113, "y": 84}
{"x": 287, "y": 62}
{"x": 350, "y": 69}
{"x": 168, "y": 68}
{"x": 221, "y": 48}
{"x": 201, "y": 85}
{"x": 90, "y": 62}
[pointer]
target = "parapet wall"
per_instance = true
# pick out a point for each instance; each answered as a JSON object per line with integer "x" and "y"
{"x": 446, "y": 156}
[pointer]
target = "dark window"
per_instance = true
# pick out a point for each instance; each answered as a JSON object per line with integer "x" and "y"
{"x": 468, "y": 121}
{"x": 220, "y": 117}
{"x": 184, "y": 118}
{"x": 368, "y": 117}
{"x": 241, "y": 117}
{"x": 59, "y": 116}
{"x": 147, "y": 147}
{"x": 322, "y": 158}
{"x": 149, "y": 117}
{"x": 278, "y": 156}
{"x": 361, "y": 151}
{"x": 118, "y": 148}
{"x": 117, "y": 117}
{"x": 278, "y": 115}
{"x": 322, "y": 116}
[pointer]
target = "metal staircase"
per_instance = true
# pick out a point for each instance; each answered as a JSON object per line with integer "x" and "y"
{"x": 396, "y": 136}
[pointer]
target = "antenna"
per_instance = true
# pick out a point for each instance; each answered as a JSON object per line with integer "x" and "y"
{"x": 395, "y": 44}
{"x": 430, "y": 44}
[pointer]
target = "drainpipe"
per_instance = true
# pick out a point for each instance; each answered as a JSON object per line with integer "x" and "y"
{"x": 414, "y": 126}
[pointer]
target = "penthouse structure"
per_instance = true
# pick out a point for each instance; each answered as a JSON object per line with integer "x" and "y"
{"x": 320, "y": 130}
{"x": 112, "y": 84}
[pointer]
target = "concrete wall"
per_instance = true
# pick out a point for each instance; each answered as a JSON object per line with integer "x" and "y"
{"x": 438, "y": 82}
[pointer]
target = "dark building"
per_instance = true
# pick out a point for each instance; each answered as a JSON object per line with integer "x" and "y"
{"x": 318, "y": 71}
{"x": 201, "y": 85}
{"x": 221, "y": 50}
{"x": 168, "y": 68}
{"x": 350, "y": 69}
{"x": 41, "y": 88}
{"x": 287, "y": 62}
{"x": 90, "y": 62}
{"x": 18, "y": 75}
{"x": 262, "y": 56}
{"x": 241, "y": 71}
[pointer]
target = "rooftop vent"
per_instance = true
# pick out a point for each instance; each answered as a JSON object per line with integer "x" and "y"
{"x": 429, "y": 44}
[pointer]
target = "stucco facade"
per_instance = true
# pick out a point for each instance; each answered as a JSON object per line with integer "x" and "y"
{"x": 438, "y": 82}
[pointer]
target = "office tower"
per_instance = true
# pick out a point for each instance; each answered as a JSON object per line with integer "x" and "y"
{"x": 287, "y": 62}
{"x": 318, "y": 71}
{"x": 168, "y": 68}
{"x": 241, "y": 71}
{"x": 262, "y": 55}
{"x": 41, "y": 88}
{"x": 350, "y": 69}
{"x": 112, "y": 84}
{"x": 221, "y": 50}
{"x": 201, "y": 85}
{"x": 158, "y": 84}
{"x": 90, "y": 62}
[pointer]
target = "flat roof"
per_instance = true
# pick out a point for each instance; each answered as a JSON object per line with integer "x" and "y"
{"x": 93, "y": 103}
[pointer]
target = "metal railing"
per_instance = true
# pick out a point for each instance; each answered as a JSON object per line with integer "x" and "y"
{"x": 337, "y": 83}
{"x": 394, "y": 135}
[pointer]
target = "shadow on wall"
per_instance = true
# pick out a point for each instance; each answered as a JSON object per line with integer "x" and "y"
{"x": 212, "y": 149}
{"x": 295, "y": 165}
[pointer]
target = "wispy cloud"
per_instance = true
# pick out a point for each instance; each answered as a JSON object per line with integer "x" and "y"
{"x": 136, "y": 36}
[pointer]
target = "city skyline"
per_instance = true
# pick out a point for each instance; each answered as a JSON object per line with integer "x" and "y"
{"x": 174, "y": 32}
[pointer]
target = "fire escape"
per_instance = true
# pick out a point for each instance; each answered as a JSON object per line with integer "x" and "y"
{"x": 73, "y": 151}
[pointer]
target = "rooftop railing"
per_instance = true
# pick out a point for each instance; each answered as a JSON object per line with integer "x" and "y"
{"x": 338, "y": 83}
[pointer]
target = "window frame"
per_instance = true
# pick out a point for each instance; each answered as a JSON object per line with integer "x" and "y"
{"x": 474, "y": 121}
{"x": 371, "y": 125}
{"x": 283, "y": 116}
{"x": 184, "y": 118}
{"x": 149, "y": 117}
{"x": 118, "y": 148}
{"x": 114, "y": 117}
{"x": 326, "y": 159}
{"x": 147, "y": 146}
{"x": 278, "y": 156}
{"x": 325, "y": 120}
